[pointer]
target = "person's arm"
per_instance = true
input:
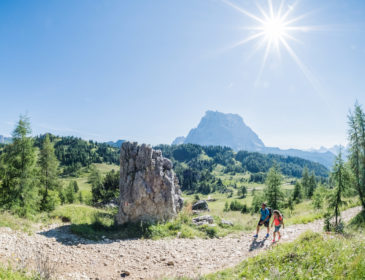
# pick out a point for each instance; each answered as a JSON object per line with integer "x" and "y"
{"x": 272, "y": 222}
{"x": 283, "y": 223}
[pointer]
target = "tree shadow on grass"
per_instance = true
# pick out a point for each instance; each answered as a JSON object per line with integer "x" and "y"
{"x": 97, "y": 232}
{"x": 257, "y": 244}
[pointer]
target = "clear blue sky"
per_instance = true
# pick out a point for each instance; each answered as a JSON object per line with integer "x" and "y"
{"x": 148, "y": 70}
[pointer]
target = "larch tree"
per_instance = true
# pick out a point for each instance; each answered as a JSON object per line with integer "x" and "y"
{"x": 50, "y": 184}
{"x": 273, "y": 193}
{"x": 19, "y": 191}
{"x": 341, "y": 179}
{"x": 356, "y": 121}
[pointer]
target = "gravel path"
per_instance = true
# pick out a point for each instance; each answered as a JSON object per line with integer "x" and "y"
{"x": 72, "y": 258}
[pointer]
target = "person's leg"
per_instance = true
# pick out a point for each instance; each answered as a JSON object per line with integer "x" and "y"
{"x": 274, "y": 236}
{"x": 279, "y": 235}
{"x": 268, "y": 229}
{"x": 257, "y": 230}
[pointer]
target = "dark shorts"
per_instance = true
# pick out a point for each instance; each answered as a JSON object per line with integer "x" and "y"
{"x": 277, "y": 228}
{"x": 266, "y": 224}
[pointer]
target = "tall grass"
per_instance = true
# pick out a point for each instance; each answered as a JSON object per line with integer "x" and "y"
{"x": 310, "y": 257}
{"x": 7, "y": 273}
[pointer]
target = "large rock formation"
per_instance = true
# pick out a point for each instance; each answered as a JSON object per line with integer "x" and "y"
{"x": 149, "y": 189}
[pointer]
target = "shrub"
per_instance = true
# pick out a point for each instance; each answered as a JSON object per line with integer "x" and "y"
{"x": 244, "y": 209}
{"x": 236, "y": 205}
{"x": 209, "y": 230}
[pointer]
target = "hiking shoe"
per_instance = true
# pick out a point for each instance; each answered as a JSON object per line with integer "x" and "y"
{"x": 256, "y": 235}
{"x": 273, "y": 240}
{"x": 267, "y": 235}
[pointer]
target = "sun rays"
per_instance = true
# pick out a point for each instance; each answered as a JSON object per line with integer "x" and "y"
{"x": 274, "y": 30}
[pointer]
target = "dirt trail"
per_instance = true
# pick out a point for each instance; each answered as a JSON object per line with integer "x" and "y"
{"x": 75, "y": 258}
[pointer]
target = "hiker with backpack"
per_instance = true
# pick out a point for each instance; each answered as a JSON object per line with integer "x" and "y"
{"x": 278, "y": 221}
{"x": 264, "y": 220}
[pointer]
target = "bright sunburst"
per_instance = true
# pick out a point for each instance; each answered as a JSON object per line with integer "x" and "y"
{"x": 274, "y": 29}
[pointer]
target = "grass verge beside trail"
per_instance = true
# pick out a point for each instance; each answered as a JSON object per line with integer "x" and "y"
{"x": 358, "y": 222}
{"x": 10, "y": 274}
{"x": 94, "y": 223}
{"x": 333, "y": 258}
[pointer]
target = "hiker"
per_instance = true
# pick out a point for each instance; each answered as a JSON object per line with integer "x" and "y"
{"x": 264, "y": 220}
{"x": 277, "y": 221}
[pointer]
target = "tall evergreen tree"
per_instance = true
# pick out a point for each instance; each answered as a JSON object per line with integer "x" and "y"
{"x": 341, "y": 179}
{"x": 97, "y": 188}
{"x": 273, "y": 191}
{"x": 306, "y": 181}
{"x": 297, "y": 194}
{"x": 48, "y": 164}
{"x": 312, "y": 185}
{"x": 356, "y": 120}
{"x": 18, "y": 190}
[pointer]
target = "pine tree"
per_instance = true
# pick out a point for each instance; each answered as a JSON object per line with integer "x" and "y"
{"x": 356, "y": 120}
{"x": 18, "y": 190}
{"x": 97, "y": 188}
{"x": 48, "y": 175}
{"x": 273, "y": 191}
{"x": 70, "y": 193}
{"x": 242, "y": 192}
{"x": 312, "y": 185}
{"x": 341, "y": 178}
{"x": 76, "y": 186}
{"x": 81, "y": 198}
{"x": 297, "y": 194}
{"x": 306, "y": 181}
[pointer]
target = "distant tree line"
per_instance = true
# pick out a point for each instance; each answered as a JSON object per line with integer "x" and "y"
{"x": 74, "y": 153}
{"x": 30, "y": 170}
{"x": 194, "y": 164}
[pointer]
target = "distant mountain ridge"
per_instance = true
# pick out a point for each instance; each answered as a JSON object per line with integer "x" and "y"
{"x": 220, "y": 129}
{"x": 4, "y": 140}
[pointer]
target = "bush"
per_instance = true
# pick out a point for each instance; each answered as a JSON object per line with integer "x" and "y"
{"x": 257, "y": 201}
{"x": 51, "y": 200}
{"x": 242, "y": 192}
{"x": 209, "y": 230}
{"x": 244, "y": 209}
{"x": 236, "y": 206}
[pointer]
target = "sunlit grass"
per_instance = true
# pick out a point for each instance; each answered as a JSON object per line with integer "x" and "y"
{"x": 333, "y": 258}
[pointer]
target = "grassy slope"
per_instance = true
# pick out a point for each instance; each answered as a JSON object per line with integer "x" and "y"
{"x": 93, "y": 223}
{"x": 333, "y": 258}
{"x": 82, "y": 180}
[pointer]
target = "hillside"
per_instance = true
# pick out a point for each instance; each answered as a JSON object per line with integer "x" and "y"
{"x": 219, "y": 129}
{"x": 75, "y": 153}
{"x": 195, "y": 165}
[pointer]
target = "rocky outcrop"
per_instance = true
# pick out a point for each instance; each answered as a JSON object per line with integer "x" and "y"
{"x": 200, "y": 205}
{"x": 226, "y": 223}
{"x": 203, "y": 220}
{"x": 149, "y": 189}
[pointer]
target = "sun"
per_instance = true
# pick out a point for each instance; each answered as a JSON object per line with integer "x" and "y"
{"x": 275, "y": 29}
